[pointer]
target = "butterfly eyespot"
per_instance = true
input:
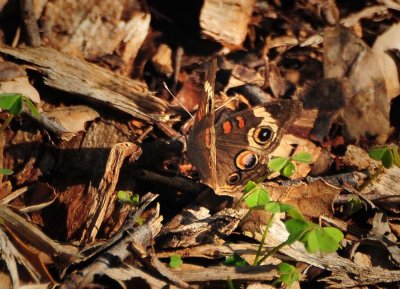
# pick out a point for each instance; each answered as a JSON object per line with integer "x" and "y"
{"x": 246, "y": 160}
{"x": 262, "y": 135}
{"x": 234, "y": 178}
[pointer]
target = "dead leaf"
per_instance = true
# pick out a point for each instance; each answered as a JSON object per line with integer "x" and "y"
{"x": 347, "y": 56}
{"x": 20, "y": 85}
{"x": 9, "y": 71}
{"x": 72, "y": 118}
{"x": 382, "y": 46}
{"x": 313, "y": 200}
{"x": 302, "y": 169}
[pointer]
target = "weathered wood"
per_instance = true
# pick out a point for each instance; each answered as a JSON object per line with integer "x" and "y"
{"x": 106, "y": 31}
{"x": 97, "y": 84}
{"x": 107, "y": 186}
{"x": 345, "y": 273}
{"x": 223, "y": 273}
{"x": 384, "y": 189}
{"x": 226, "y": 20}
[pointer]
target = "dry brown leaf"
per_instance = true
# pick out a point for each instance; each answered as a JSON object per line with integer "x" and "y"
{"x": 302, "y": 169}
{"x": 347, "y": 56}
{"x": 313, "y": 200}
{"x": 384, "y": 42}
{"x": 276, "y": 81}
{"x": 9, "y": 71}
{"x": 20, "y": 85}
{"x": 72, "y": 118}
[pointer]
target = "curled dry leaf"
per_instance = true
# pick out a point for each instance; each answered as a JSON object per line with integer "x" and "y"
{"x": 72, "y": 118}
{"x": 13, "y": 79}
{"x": 382, "y": 46}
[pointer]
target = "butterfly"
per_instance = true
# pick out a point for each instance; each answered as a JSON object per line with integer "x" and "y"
{"x": 236, "y": 148}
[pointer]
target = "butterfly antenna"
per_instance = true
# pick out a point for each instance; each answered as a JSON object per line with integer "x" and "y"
{"x": 180, "y": 103}
{"x": 226, "y": 102}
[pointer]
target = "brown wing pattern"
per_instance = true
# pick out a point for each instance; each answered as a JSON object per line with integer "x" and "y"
{"x": 201, "y": 141}
{"x": 236, "y": 137}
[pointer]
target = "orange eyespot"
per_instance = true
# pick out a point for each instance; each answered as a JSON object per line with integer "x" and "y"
{"x": 246, "y": 160}
{"x": 234, "y": 178}
{"x": 262, "y": 135}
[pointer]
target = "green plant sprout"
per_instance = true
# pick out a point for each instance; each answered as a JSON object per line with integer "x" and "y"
{"x": 288, "y": 274}
{"x": 13, "y": 103}
{"x": 235, "y": 260}
{"x": 314, "y": 237}
{"x": 285, "y": 165}
{"x": 388, "y": 155}
{"x": 230, "y": 283}
{"x": 6, "y": 172}
{"x": 175, "y": 261}
{"x": 127, "y": 197}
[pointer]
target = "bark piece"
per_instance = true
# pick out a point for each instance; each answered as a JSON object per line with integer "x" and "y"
{"x": 29, "y": 22}
{"x": 384, "y": 190}
{"x": 130, "y": 239}
{"x": 163, "y": 60}
{"x": 97, "y": 84}
{"x": 195, "y": 226}
{"x": 92, "y": 29}
{"x": 30, "y": 234}
{"x": 222, "y": 273}
{"x": 107, "y": 187}
{"x": 226, "y": 21}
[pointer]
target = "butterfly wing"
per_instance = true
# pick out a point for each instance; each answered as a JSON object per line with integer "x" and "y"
{"x": 244, "y": 141}
{"x": 201, "y": 141}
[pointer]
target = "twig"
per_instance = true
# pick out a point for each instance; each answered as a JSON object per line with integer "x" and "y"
{"x": 29, "y": 23}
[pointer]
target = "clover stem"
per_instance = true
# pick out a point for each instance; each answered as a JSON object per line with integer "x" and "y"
{"x": 273, "y": 251}
{"x": 262, "y": 242}
{"x": 245, "y": 217}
